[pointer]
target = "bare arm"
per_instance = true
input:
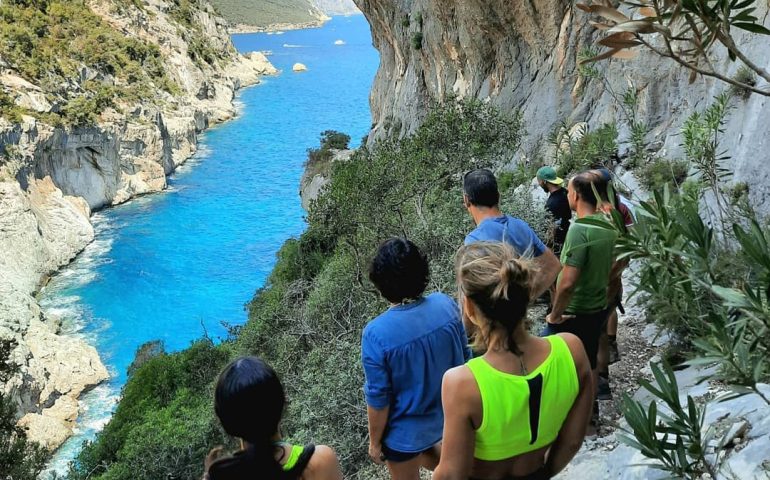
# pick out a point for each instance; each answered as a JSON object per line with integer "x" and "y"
{"x": 323, "y": 465}
{"x": 564, "y": 291}
{"x": 461, "y": 399}
{"x": 548, "y": 267}
{"x": 616, "y": 274}
{"x": 378, "y": 419}
{"x": 573, "y": 430}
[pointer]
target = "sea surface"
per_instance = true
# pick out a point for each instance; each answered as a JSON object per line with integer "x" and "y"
{"x": 182, "y": 264}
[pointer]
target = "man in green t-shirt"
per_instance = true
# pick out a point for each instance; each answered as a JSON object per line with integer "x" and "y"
{"x": 580, "y": 302}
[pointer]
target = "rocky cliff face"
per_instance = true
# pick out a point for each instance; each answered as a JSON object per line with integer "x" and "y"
{"x": 523, "y": 55}
{"x": 52, "y": 177}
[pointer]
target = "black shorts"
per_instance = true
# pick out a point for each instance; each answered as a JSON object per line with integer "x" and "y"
{"x": 396, "y": 456}
{"x": 540, "y": 474}
{"x": 586, "y": 326}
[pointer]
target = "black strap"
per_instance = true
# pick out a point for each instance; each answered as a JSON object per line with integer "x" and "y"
{"x": 302, "y": 462}
{"x": 535, "y": 396}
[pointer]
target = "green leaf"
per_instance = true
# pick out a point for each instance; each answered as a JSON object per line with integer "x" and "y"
{"x": 752, "y": 27}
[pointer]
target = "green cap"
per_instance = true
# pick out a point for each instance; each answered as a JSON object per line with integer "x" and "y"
{"x": 548, "y": 174}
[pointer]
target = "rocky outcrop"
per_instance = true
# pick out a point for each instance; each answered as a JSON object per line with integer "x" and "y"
{"x": 523, "y": 55}
{"x": 316, "y": 176}
{"x": 51, "y": 178}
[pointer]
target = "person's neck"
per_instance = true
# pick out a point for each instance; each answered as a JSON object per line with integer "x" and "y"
{"x": 499, "y": 343}
{"x": 277, "y": 438}
{"x": 480, "y": 214}
{"x": 552, "y": 188}
{"x": 584, "y": 209}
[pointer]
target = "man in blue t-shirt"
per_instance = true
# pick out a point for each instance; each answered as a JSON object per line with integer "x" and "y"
{"x": 482, "y": 198}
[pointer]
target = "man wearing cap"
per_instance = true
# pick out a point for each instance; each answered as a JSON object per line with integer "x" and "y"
{"x": 557, "y": 205}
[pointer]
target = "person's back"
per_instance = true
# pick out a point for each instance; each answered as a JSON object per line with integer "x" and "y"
{"x": 513, "y": 231}
{"x": 521, "y": 409}
{"x": 411, "y": 340}
{"x": 405, "y": 352}
{"x": 308, "y": 462}
{"x": 591, "y": 249}
{"x": 481, "y": 198}
{"x": 557, "y": 205}
{"x": 524, "y": 412}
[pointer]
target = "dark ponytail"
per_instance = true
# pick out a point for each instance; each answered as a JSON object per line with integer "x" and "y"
{"x": 249, "y": 401}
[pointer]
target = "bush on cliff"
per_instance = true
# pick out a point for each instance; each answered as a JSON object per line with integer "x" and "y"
{"x": 53, "y": 43}
{"x": 163, "y": 426}
{"x": 19, "y": 458}
{"x": 307, "y": 320}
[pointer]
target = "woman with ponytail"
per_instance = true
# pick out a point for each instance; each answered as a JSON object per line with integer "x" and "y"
{"x": 521, "y": 410}
{"x": 249, "y": 402}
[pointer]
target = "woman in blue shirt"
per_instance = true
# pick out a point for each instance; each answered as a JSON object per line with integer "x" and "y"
{"x": 405, "y": 352}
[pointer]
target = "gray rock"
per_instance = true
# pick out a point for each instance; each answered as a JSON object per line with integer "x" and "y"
{"x": 316, "y": 176}
{"x": 523, "y": 55}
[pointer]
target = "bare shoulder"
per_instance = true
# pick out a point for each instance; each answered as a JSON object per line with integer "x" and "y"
{"x": 323, "y": 465}
{"x": 458, "y": 378}
{"x": 573, "y": 342}
{"x": 577, "y": 350}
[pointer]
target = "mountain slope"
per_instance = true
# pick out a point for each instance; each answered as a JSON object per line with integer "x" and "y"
{"x": 264, "y": 13}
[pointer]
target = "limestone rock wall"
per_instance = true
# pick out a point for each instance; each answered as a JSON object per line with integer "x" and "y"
{"x": 52, "y": 178}
{"x": 523, "y": 55}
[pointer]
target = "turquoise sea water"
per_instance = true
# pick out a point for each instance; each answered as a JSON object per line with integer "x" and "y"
{"x": 175, "y": 265}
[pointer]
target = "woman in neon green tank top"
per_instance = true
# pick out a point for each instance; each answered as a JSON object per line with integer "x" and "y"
{"x": 520, "y": 410}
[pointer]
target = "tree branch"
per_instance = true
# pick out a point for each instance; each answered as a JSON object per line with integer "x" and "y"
{"x": 670, "y": 54}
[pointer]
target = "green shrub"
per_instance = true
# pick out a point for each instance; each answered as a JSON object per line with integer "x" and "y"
{"x": 678, "y": 440}
{"x": 417, "y": 41}
{"x": 49, "y": 43}
{"x": 332, "y": 139}
{"x": 9, "y": 109}
{"x": 163, "y": 424}
{"x": 661, "y": 172}
{"x": 579, "y": 148}
{"x": 318, "y": 159}
{"x": 523, "y": 173}
{"x": 745, "y": 76}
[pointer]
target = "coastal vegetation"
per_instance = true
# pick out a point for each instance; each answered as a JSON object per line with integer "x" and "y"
{"x": 81, "y": 63}
{"x": 307, "y": 319}
{"x": 268, "y": 12}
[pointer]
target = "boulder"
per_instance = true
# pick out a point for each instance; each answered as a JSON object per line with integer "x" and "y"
{"x": 299, "y": 67}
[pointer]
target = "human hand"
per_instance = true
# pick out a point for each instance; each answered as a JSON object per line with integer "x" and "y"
{"x": 375, "y": 451}
{"x": 557, "y": 319}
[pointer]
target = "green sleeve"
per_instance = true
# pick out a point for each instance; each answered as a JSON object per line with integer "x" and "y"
{"x": 575, "y": 250}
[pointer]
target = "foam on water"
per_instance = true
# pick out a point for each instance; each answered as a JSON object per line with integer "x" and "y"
{"x": 169, "y": 266}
